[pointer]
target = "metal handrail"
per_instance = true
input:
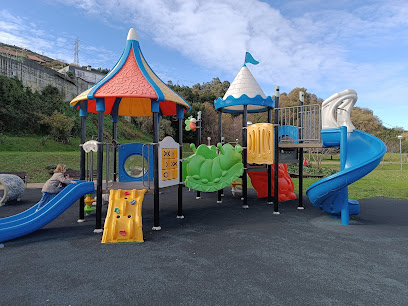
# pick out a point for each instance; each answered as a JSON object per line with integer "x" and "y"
{"x": 307, "y": 120}
{"x": 148, "y": 164}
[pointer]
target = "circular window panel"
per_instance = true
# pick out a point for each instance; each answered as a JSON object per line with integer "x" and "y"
{"x": 134, "y": 165}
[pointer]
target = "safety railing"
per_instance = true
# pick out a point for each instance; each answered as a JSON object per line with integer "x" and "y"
{"x": 300, "y": 124}
{"x": 90, "y": 167}
{"x": 144, "y": 169}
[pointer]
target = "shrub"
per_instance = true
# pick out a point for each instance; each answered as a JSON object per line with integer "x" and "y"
{"x": 60, "y": 126}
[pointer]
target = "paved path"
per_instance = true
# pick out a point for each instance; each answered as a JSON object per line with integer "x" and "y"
{"x": 220, "y": 254}
{"x": 34, "y": 185}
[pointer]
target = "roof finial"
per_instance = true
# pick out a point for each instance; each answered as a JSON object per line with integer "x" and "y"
{"x": 132, "y": 35}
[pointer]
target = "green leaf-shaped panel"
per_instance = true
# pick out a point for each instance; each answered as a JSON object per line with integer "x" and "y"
{"x": 206, "y": 171}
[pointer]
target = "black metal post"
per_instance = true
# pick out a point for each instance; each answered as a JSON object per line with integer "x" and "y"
{"x": 82, "y": 169}
{"x": 244, "y": 157}
{"x": 115, "y": 149}
{"x": 270, "y": 166}
{"x": 276, "y": 153}
{"x": 156, "y": 225}
{"x": 220, "y": 192}
{"x": 198, "y": 196}
{"x": 300, "y": 196}
{"x": 98, "y": 227}
{"x": 180, "y": 186}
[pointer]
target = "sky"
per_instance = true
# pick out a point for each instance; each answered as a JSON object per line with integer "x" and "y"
{"x": 324, "y": 46}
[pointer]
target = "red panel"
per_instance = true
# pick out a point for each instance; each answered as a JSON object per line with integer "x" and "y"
{"x": 109, "y": 101}
{"x": 286, "y": 188}
{"x": 127, "y": 82}
{"x": 168, "y": 108}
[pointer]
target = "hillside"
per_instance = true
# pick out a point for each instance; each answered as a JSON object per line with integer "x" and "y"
{"x": 42, "y": 59}
{"x": 200, "y": 96}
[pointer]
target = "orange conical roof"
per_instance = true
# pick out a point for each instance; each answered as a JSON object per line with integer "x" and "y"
{"x": 132, "y": 84}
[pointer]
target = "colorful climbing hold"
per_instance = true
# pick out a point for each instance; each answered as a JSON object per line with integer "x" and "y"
{"x": 116, "y": 210}
{"x": 126, "y": 193}
{"x": 132, "y": 202}
{"x": 123, "y": 233}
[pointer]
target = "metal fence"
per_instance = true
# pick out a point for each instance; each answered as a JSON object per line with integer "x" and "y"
{"x": 300, "y": 124}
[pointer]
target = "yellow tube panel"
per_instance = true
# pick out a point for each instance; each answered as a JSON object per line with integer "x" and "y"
{"x": 260, "y": 143}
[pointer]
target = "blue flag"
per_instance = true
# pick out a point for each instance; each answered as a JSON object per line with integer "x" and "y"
{"x": 250, "y": 59}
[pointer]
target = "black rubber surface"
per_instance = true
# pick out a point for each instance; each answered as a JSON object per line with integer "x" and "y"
{"x": 220, "y": 254}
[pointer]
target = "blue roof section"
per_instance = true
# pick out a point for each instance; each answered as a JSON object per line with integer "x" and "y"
{"x": 230, "y": 101}
{"x": 137, "y": 52}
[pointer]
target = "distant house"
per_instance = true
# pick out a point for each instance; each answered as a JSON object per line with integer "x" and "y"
{"x": 84, "y": 73}
{"x": 18, "y": 53}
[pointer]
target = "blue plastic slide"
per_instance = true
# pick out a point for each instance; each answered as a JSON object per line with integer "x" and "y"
{"x": 362, "y": 153}
{"x": 31, "y": 220}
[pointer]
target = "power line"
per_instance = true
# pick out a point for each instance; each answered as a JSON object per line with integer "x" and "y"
{"x": 392, "y": 126}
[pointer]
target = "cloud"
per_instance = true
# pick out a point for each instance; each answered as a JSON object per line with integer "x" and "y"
{"x": 323, "y": 46}
{"x": 304, "y": 50}
{"x": 20, "y": 32}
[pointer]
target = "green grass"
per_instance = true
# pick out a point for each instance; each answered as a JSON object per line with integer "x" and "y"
{"x": 306, "y": 183}
{"x": 381, "y": 183}
{"x": 32, "y": 155}
{"x": 35, "y": 163}
{"x": 44, "y": 144}
{"x": 388, "y": 157}
{"x": 36, "y": 144}
{"x": 385, "y": 181}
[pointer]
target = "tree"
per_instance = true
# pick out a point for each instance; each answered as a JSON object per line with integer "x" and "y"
{"x": 363, "y": 119}
{"x": 232, "y": 127}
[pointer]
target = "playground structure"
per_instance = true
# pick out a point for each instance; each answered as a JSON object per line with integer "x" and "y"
{"x": 360, "y": 153}
{"x": 296, "y": 128}
{"x": 131, "y": 88}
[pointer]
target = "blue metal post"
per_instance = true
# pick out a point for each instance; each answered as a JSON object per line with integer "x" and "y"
{"x": 345, "y": 215}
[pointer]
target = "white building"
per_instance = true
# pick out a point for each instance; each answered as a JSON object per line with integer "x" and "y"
{"x": 84, "y": 73}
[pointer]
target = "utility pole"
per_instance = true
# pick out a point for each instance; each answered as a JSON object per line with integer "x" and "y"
{"x": 76, "y": 56}
{"x": 400, "y": 138}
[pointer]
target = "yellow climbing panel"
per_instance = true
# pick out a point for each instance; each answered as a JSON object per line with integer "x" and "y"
{"x": 260, "y": 143}
{"x": 123, "y": 221}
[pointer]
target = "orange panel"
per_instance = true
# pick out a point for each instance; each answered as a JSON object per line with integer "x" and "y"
{"x": 169, "y": 153}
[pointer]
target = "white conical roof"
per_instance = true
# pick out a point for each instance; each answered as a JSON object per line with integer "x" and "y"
{"x": 244, "y": 83}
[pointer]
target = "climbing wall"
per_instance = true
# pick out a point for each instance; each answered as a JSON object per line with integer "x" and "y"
{"x": 123, "y": 222}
